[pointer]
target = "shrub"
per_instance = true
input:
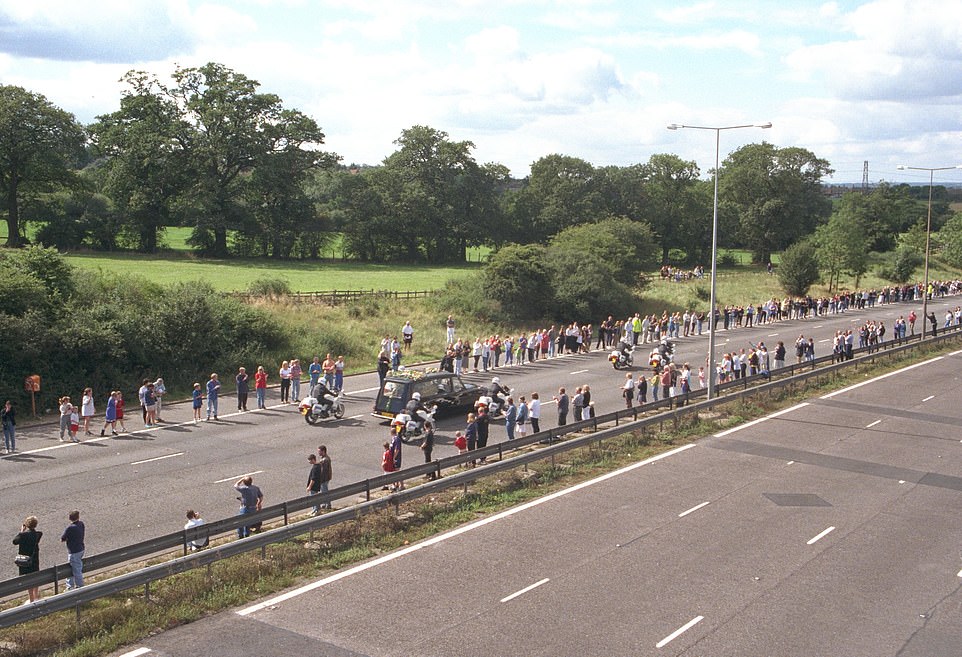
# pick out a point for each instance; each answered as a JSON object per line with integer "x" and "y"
{"x": 269, "y": 287}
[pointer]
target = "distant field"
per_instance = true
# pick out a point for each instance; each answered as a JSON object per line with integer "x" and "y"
{"x": 236, "y": 275}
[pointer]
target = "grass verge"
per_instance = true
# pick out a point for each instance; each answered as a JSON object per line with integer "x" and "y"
{"x": 111, "y": 623}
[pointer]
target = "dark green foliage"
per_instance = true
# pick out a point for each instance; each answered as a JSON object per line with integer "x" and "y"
{"x": 798, "y": 270}
{"x": 269, "y": 287}
{"x": 904, "y": 261}
{"x": 518, "y": 277}
{"x": 109, "y": 332}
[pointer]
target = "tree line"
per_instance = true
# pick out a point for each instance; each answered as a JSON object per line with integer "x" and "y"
{"x": 211, "y": 151}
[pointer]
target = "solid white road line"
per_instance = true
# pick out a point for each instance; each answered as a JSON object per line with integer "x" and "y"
{"x": 762, "y": 419}
{"x": 928, "y": 398}
{"x": 525, "y": 590}
{"x": 825, "y": 533}
{"x": 578, "y": 372}
{"x": 956, "y": 353}
{"x": 158, "y": 458}
{"x": 681, "y": 630}
{"x": 456, "y": 532}
{"x": 693, "y": 509}
{"x": 355, "y": 417}
{"x": 235, "y": 478}
{"x": 136, "y": 653}
{"x": 773, "y": 335}
{"x": 884, "y": 376}
{"x": 869, "y": 426}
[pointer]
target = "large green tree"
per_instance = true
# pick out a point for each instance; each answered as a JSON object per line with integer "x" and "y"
{"x": 677, "y": 208}
{"x": 40, "y": 147}
{"x": 217, "y": 127}
{"x": 774, "y": 195}
{"x": 562, "y": 191}
{"x": 842, "y": 246}
{"x": 146, "y": 162}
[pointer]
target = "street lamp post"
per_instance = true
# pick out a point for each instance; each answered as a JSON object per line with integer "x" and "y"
{"x": 714, "y": 241}
{"x": 928, "y": 232}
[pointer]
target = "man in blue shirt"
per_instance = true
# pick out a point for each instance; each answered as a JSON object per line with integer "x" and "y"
{"x": 73, "y": 536}
{"x": 213, "y": 387}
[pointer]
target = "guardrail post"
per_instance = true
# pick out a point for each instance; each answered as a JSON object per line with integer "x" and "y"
{"x": 285, "y": 514}
{"x": 367, "y": 489}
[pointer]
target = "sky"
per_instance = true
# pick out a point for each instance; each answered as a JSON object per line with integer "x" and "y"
{"x": 852, "y": 81}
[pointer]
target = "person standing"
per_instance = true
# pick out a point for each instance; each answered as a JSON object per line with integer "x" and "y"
{"x": 213, "y": 389}
{"x": 510, "y": 418}
{"x": 140, "y": 398}
{"x": 427, "y": 446}
{"x": 197, "y": 400}
{"x": 314, "y": 370}
{"x": 523, "y": 414}
{"x": 243, "y": 388}
{"x": 150, "y": 405}
{"x": 450, "y": 325}
{"x": 159, "y": 391}
{"x": 28, "y": 552}
{"x": 563, "y": 404}
{"x": 251, "y": 498}
{"x": 260, "y": 386}
{"x": 120, "y": 411}
{"x": 314, "y": 481}
{"x": 8, "y": 417}
{"x": 534, "y": 412}
{"x": 65, "y": 408}
{"x": 339, "y": 374}
{"x": 628, "y": 389}
{"x": 383, "y": 365}
{"x": 110, "y": 415}
{"x": 327, "y": 471}
{"x": 74, "y": 536}
{"x": 296, "y": 380}
{"x": 579, "y": 404}
{"x": 471, "y": 433}
{"x": 407, "y": 333}
{"x": 285, "y": 374}
{"x": 642, "y": 386}
{"x": 87, "y": 409}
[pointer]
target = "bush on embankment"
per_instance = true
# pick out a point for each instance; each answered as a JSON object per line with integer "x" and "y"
{"x": 91, "y": 329}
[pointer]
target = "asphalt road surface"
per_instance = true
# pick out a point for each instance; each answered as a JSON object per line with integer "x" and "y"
{"x": 827, "y": 529}
{"x": 139, "y": 485}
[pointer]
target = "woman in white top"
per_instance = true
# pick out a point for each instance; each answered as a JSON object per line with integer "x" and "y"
{"x": 87, "y": 409}
{"x": 285, "y": 374}
{"x": 65, "y": 409}
{"x": 534, "y": 412}
{"x": 628, "y": 390}
{"x": 159, "y": 390}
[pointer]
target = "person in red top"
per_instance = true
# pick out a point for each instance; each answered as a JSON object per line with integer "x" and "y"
{"x": 260, "y": 385}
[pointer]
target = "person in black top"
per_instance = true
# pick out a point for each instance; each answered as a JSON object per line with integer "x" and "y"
{"x": 73, "y": 536}
{"x": 28, "y": 544}
{"x": 8, "y": 417}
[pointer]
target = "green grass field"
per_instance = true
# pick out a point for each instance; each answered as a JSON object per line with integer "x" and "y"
{"x": 302, "y": 276}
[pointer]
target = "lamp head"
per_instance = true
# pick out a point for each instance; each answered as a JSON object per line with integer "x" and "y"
{"x": 674, "y": 126}
{"x": 764, "y": 125}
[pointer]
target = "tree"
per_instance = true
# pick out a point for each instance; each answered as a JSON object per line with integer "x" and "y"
{"x": 562, "y": 191}
{"x": 519, "y": 278}
{"x": 798, "y": 270}
{"x": 775, "y": 194}
{"x": 146, "y": 164}
{"x": 949, "y": 240}
{"x": 676, "y": 209}
{"x": 904, "y": 262}
{"x": 842, "y": 246}
{"x": 40, "y": 144}
{"x": 214, "y": 127}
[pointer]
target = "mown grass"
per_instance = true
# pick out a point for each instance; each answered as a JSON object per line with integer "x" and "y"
{"x": 125, "y": 618}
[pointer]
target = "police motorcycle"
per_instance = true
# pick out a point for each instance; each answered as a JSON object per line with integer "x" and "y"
{"x": 494, "y": 398}
{"x": 661, "y": 355}
{"x": 409, "y": 423}
{"x": 621, "y": 357}
{"x": 322, "y": 404}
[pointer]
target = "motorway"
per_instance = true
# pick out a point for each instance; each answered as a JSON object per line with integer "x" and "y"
{"x": 137, "y": 486}
{"x": 830, "y": 528}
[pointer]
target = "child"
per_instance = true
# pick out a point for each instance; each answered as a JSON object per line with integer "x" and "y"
{"x": 74, "y": 424}
{"x": 120, "y": 411}
{"x": 461, "y": 442}
{"x": 701, "y": 377}
{"x": 198, "y": 400}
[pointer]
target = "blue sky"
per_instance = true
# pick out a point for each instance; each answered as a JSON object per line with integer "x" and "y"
{"x": 850, "y": 80}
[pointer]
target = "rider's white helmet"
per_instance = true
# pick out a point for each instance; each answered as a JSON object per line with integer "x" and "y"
{"x": 496, "y": 381}
{"x": 416, "y": 396}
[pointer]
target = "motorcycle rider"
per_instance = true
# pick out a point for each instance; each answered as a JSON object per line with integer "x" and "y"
{"x": 498, "y": 393}
{"x": 418, "y": 411}
{"x": 624, "y": 350}
{"x": 323, "y": 395}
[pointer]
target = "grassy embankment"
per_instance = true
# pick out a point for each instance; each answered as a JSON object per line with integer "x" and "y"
{"x": 111, "y": 623}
